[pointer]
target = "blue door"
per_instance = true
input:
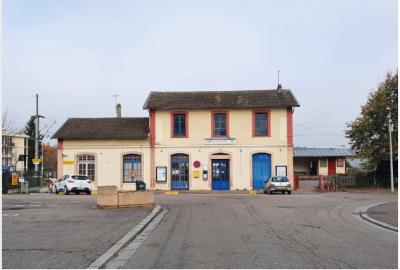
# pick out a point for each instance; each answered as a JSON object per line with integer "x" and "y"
{"x": 220, "y": 174}
{"x": 179, "y": 172}
{"x": 261, "y": 170}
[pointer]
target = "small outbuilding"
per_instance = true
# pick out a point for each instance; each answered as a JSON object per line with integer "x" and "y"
{"x": 320, "y": 161}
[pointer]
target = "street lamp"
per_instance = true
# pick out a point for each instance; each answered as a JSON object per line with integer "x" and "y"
{"x": 390, "y": 127}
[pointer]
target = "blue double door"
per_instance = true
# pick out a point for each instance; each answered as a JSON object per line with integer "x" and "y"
{"x": 261, "y": 169}
{"x": 220, "y": 174}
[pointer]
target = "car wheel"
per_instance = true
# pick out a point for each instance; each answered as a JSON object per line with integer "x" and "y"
{"x": 66, "y": 192}
{"x": 289, "y": 192}
{"x": 88, "y": 192}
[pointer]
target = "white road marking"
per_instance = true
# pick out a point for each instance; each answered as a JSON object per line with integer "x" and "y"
{"x": 10, "y": 215}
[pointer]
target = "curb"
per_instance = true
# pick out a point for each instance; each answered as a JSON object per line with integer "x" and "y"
{"x": 364, "y": 215}
{"x": 105, "y": 257}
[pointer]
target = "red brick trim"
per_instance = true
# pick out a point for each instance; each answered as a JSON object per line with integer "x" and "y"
{"x": 152, "y": 120}
{"x": 289, "y": 120}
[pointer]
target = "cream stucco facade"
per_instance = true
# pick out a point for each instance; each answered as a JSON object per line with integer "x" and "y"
{"x": 108, "y": 159}
{"x": 238, "y": 147}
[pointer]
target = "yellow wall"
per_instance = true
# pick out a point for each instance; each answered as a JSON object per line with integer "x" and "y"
{"x": 108, "y": 155}
{"x": 240, "y": 164}
{"x": 109, "y": 152}
{"x": 240, "y": 128}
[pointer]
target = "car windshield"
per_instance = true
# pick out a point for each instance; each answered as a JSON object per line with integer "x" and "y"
{"x": 79, "y": 177}
{"x": 280, "y": 179}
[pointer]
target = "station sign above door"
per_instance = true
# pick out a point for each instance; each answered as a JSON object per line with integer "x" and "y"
{"x": 216, "y": 141}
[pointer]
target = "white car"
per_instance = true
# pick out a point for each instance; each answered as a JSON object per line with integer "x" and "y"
{"x": 73, "y": 183}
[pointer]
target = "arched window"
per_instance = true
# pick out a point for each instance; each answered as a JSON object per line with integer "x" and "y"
{"x": 132, "y": 168}
{"x": 86, "y": 166}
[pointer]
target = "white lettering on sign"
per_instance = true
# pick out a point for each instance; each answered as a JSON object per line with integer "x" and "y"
{"x": 219, "y": 141}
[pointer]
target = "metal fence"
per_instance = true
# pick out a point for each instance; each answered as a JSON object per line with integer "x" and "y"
{"x": 359, "y": 180}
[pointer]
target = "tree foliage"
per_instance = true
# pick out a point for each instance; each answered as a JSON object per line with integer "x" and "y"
{"x": 30, "y": 131}
{"x": 369, "y": 133}
{"x": 49, "y": 158}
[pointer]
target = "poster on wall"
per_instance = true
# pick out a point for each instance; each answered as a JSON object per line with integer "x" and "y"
{"x": 281, "y": 171}
{"x": 161, "y": 175}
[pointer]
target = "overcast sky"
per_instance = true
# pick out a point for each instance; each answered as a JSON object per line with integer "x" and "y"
{"x": 77, "y": 54}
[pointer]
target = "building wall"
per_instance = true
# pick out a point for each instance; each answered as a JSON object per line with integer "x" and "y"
{"x": 13, "y": 146}
{"x": 158, "y": 149}
{"x": 108, "y": 159}
{"x": 240, "y": 128}
{"x": 19, "y": 148}
{"x": 240, "y": 164}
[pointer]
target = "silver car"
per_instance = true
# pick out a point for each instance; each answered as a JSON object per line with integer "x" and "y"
{"x": 278, "y": 184}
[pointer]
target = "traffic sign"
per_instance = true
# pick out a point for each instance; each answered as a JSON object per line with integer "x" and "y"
{"x": 36, "y": 160}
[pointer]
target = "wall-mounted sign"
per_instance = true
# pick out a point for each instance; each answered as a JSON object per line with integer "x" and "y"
{"x": 196, "y": 164}
{"x": 196, "y": 173}
{"x": 281, "y": 170}
{"x": 161, "y": 174}
{"x": 219, "y": 141}
{"x": 68, "y": 162}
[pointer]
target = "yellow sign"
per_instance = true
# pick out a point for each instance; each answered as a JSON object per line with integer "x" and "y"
{"x": 68, "y": 162}
{"x": 196, "y": 174}
{"x": 14, "y": 180}
{"x": 36, "y": 160}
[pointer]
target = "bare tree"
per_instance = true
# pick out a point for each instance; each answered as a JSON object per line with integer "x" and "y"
{"x": 8, "y": 123}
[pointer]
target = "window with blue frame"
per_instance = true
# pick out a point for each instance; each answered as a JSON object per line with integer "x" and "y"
{"x": 132, "y": 168}
{"x": 220, "y": 125}
{"x": 261, "y": 124}
{"x": 179, "y": 125}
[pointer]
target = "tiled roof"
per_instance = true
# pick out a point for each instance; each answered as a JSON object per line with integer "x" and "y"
{"x": 104, "y": 128}
{"x": 221, "y": 99}
{"x": 322, "y": 152}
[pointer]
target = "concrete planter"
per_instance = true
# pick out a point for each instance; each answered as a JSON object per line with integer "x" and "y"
{"x": 109, "y": 196}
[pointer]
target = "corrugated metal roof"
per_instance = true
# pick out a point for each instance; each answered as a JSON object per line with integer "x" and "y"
{"x": 322, "y": 152}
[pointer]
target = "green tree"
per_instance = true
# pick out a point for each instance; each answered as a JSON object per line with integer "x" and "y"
{"x": 30, "y": 131}
{"x": 368, "y": 134}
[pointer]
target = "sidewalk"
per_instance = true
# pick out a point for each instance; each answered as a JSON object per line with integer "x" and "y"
{"x": 386, "y": 213}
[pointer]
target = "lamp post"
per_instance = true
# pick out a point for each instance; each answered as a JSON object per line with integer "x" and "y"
{"x": 390, "y": 127}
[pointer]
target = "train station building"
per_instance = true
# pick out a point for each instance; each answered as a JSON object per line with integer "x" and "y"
{"x": 201, "y": 140}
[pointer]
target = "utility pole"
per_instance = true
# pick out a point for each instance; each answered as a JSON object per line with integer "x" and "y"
{"x": 391, "y": 154}
{"x": 37, "y": 137}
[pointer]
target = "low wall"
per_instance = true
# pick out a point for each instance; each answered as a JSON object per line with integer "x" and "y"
{"x": 109, "y": 196}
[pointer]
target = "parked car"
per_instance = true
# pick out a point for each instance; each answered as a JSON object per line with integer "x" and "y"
{"x": 278, "y": 184}
{"x": 73, "y": 183}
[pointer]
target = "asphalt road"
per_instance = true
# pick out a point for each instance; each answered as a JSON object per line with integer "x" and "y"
{"x": 268, "y": 231}
{"x": 56, "y": 231}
